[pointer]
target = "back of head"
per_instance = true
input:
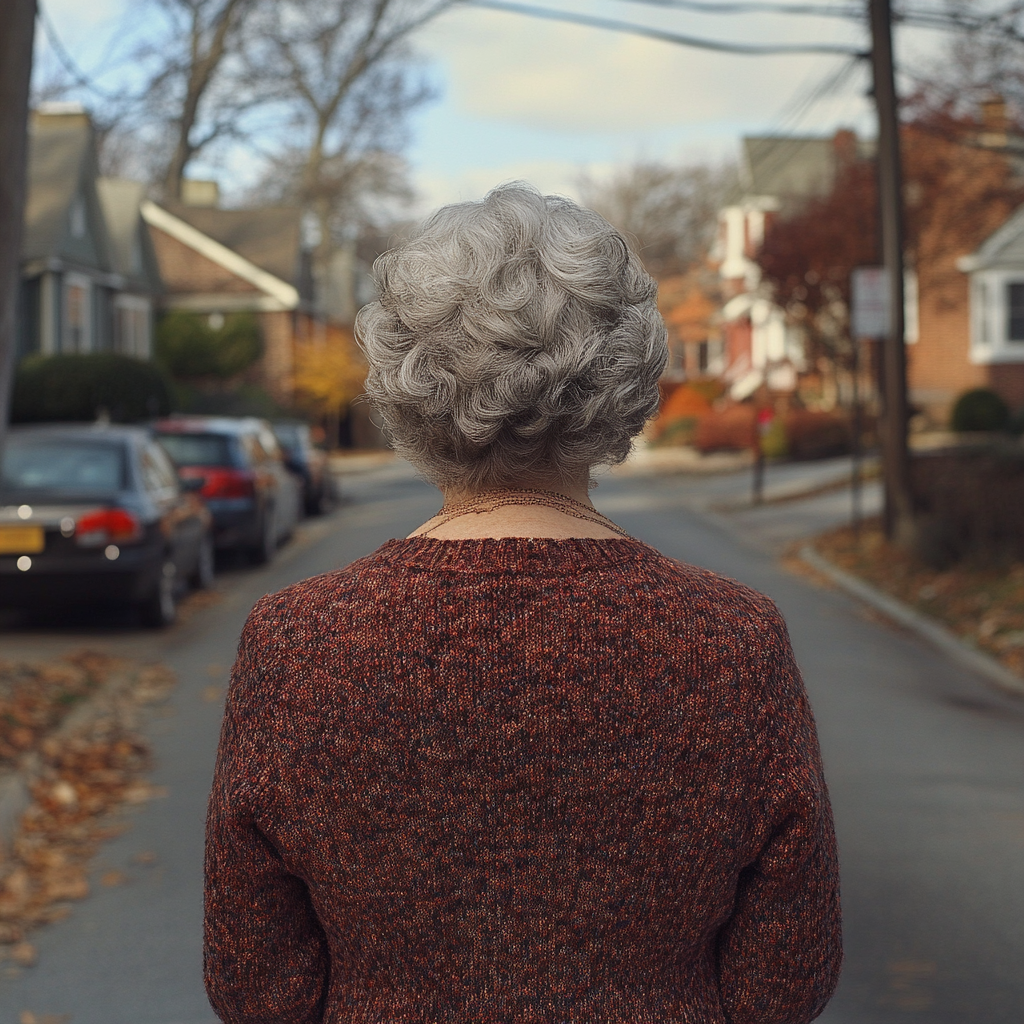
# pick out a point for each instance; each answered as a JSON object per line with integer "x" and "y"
{"x": 514, "y": 338}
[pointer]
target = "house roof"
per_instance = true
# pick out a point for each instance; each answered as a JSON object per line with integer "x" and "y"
{"x": 269, "y": 237}
{"x": 1003, "y": 248}
{"x": 280, "y": 292}
{"x": 130, "y": 248}
{"x": 61, "y": 170}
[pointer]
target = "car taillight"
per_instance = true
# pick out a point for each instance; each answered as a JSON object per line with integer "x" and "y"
{"x": 107, "y": 526}
{"x": 228, "y": 483}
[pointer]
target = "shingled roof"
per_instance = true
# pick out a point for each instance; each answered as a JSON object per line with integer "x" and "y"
{"x": 61, "y": 170}
{"x": 270, "y": 237}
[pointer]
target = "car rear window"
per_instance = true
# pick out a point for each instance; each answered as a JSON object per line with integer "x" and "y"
{"x": 63, "y": 467}
{"x": 198, "y": 449}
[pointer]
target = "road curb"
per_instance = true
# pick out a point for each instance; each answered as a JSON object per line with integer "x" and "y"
{"x": 939, "y": 636}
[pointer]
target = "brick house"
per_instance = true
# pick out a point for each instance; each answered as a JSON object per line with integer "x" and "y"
{"x": 992, "y": 318}
{"x": 757, "y": 345}
{"x": 214, "y": 261}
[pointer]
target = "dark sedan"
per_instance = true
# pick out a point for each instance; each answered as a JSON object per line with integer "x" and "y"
{"x": 239, "y": 466}
{"x": 97, "y": 514}
{"x": 306, "y": 461}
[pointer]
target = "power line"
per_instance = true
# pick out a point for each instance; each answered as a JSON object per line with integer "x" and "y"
{"x": 79, "y": 77}
{"x": 770, "y": 49}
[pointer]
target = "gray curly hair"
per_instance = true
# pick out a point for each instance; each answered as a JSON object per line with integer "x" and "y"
{"x": 516, "y": 338}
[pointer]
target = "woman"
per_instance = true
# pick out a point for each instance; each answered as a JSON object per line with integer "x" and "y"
{"x": 518, "y": 767}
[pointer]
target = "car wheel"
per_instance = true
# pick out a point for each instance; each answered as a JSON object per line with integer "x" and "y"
{"x": 267, "y": 547}
{"x": 202, "y": 578}
{"x": 161, "y": 607}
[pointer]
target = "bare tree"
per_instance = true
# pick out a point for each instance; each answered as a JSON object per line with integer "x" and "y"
{"x": 193, "y": 92}
{"x": 670, "y": 212}
{"x": 345, "y": 82}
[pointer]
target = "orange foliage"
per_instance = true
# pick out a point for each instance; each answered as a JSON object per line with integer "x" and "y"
{"x": 684, "y": 403}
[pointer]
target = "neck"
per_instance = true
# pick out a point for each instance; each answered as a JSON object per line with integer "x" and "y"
{"x": 576, "y": 490}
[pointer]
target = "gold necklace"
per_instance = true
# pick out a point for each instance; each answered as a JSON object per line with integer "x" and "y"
{"x": 488, "y": 501}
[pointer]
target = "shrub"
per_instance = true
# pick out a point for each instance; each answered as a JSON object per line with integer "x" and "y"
{"x": 979, "y": 409}
{"x": 734, "y": 429}
{"x": 81, "y": 387}
{"x": 189, "y": 348}
{"x": 817, "y": 435}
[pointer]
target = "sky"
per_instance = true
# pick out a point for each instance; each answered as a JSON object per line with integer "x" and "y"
{"x": 549, "y": 102}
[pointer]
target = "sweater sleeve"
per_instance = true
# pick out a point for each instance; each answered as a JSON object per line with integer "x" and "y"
{"x": 780, "y": 953}
{"x": 265, "y": 958}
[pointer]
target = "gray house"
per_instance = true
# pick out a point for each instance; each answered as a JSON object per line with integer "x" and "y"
{"x": 88, "y": 272}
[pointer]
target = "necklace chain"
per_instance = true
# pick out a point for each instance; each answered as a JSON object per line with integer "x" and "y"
{"x": 488, "y": 501}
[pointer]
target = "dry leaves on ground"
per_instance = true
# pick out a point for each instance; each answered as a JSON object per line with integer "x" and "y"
{"x": 78, "y": 773}
{"x": 983, "y": 604}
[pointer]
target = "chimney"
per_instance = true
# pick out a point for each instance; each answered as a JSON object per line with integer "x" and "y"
{"x": 844, "y": 147}
{"x": 200, "y": 193}
{"x": 994, "y": 122}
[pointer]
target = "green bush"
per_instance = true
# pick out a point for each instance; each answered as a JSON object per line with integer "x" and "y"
{"x": 81, "y": 387}
{"x": 979, "y": 409}
{"x": 189, "y": 348}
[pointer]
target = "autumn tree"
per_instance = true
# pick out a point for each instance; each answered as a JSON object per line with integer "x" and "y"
{"x": 328, "y": 373}
{"x": 957, "y": 190}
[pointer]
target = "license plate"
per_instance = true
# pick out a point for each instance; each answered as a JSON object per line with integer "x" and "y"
{"x": 21, "y": 540}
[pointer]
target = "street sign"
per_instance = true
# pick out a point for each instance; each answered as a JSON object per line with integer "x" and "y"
{"x": 869, "y": 304}
{"x": 869, "y": 301}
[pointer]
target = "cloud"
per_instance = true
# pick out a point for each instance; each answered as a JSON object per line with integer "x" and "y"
{"x": 561, "y": 77}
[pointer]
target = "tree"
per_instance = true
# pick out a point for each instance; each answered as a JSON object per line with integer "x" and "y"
{"x": 17, "y": 31}
{"x": 957, "y": 190}
{"x": 194, "y": 92}
{"x": 670, "y": 212}
{"x": 344, "y": 85}
{"x": 329, "y": 371}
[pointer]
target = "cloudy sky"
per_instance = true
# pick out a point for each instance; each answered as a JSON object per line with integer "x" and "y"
{"x": 520, "y": 97}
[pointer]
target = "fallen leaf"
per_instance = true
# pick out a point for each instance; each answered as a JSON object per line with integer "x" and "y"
{"x": 212, "y": 693}
{"x": 113, "y": 878}
{"x": 24, "y": 954}
{"x": 146, "y": 857}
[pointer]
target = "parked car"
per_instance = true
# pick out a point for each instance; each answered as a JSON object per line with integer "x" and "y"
{"x": 306, "y": 461}
{"x": 254, "y": 499}
{"x": 97, "y": 514}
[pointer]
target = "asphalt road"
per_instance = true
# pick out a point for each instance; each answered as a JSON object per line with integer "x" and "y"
{"x": 925, "y": 766}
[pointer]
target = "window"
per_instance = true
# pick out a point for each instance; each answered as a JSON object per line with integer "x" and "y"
{"x": 981, "y": 295}
{"x": 198, "y": 449}
{"x": 62, "y": 467}
{"x": 133, "y": 325}
{"x": 77, "y": 314}
{"x": 157, "y": 472}
{"x": 1015, "y": 311}
{"x": 78, "y": 224}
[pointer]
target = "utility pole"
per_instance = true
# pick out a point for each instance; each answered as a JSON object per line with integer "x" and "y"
{"x": 17, "y": 35}
{"x": 899, "y": 506}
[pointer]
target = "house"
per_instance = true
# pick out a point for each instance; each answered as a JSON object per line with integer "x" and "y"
{"x": 68, "y": 278}
{"x": 988, "y": 350}
{"x": 215, "y": 261}
{"x": 89, "y": 276}
{"x": 757, "y": 346}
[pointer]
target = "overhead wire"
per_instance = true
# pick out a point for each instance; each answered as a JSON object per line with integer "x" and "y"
{"x": 693, "y": 42}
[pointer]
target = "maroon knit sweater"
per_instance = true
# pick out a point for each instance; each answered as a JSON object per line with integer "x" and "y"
{"x": 519, "y": 781}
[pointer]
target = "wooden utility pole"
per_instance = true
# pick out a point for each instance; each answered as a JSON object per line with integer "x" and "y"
{"x": 899, "y": 506}
{"x": 17, "y": 35}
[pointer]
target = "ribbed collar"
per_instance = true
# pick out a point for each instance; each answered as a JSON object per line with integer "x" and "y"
{"x": 514, "y": 554}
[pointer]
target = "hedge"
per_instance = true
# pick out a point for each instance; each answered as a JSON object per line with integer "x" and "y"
{"x": 80, "y": 388}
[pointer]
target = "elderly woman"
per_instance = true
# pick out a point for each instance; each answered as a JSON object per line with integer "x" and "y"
{"x": 518, "y": 767}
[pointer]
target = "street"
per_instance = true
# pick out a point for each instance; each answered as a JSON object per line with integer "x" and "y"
{"x": 925, "y": 766}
